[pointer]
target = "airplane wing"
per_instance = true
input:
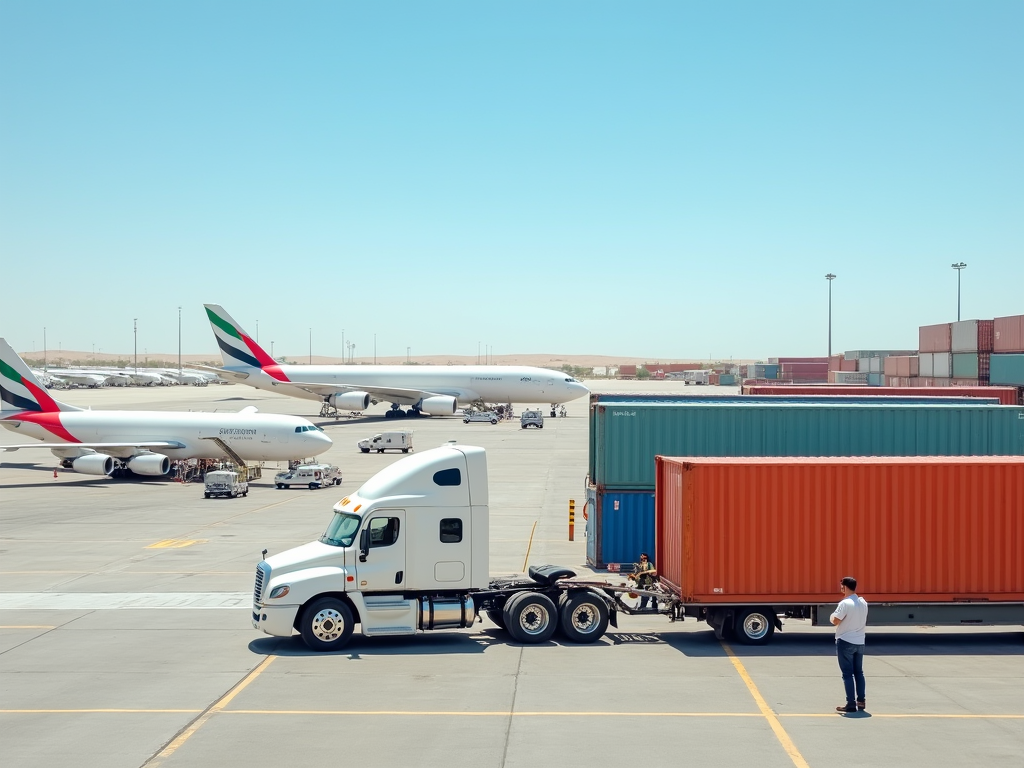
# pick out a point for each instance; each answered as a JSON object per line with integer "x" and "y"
{"x": 141, "y": 444}
{"x": 238, "y": 375}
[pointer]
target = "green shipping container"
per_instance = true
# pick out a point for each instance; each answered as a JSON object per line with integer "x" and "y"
{"x": 965, "y": 366}
{"x": 625, "y": 437}
{"x": 1007, "y": 369}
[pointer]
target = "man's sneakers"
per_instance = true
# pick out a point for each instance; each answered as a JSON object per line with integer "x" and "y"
{"x": 847, "y": 708}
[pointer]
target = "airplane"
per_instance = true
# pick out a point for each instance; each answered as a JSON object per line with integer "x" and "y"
{"x": 122, "y": 443}
{"x": 433, "y": 390}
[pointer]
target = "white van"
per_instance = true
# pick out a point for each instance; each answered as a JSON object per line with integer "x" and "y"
{"x": 385, "y": 441}
{"x": 311, "y": 476}
{"x": 468, "y": 416}
{"x": 532, "y": 419}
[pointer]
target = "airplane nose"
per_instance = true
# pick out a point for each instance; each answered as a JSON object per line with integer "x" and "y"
{"x": 578, "y": 390}
{"x": 319, "y": 440}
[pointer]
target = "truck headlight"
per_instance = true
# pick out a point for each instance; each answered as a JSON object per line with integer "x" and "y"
{"x": 277, "y": 592}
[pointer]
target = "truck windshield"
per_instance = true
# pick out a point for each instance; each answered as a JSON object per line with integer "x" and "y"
{"x": 342, "y": 530}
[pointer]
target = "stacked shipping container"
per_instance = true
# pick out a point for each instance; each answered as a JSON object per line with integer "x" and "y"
{"x": 1006, "y": 364}
{"x": 626, "y": 435}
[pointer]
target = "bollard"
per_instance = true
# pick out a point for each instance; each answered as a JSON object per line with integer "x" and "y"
{"x": 572, "y": 519}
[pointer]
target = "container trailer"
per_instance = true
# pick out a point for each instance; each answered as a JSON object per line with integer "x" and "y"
{"x": 743, "y": 543}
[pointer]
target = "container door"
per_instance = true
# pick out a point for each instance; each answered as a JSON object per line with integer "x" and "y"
{"x": 383, "y": 569}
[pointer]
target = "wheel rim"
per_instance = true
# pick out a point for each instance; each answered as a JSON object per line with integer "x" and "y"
{"x": 535, "y": 619}
{"x": 584, "y": 618}
{"x": 327, "y": 625}
{"x": 755, "y": 626}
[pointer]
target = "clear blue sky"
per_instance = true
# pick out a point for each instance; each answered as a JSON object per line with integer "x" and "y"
{"x": 646, "y": 179}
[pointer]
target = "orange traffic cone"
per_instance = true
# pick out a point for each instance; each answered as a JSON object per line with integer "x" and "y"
{"x": 54, "y": 473}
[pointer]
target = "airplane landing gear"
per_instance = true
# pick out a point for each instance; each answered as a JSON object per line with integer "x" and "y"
{"x": 396, "y": 412}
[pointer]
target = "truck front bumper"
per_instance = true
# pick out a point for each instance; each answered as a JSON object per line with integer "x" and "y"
{"x": 276, "y": 620}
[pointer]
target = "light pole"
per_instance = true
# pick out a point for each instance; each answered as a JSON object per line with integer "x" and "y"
{"x": 408, "y": 351}
{"x": 179, "y": 341}
{"x": 375, "y": 349}
{"x": 310, "y": 346}
{"x": 257, "y": 331}
{"x": 959, "y": 267}
{"x": 44, "y": 349}
{"x": 342, "y": 346}
{"x": 135, "y": 322}
{"x": 272, "y": 352}
{"x": 830, "y": 277}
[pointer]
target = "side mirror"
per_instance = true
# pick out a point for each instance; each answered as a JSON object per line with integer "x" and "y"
{"x": 364, "y": 544}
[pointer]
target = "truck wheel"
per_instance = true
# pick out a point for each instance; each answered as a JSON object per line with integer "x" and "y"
{"x": 754, "y": 626}
{"x": 380, "y": 450}
{"x": 405, "y": 450}
{"x": 584, "y": 617}
{"x": 497, "y": 617}
{"x": 365, "y": 450}
{"x": 524, "y": 426}
{"x": 312, "y": 486}
{"x": 206, "y": 495}
{"x": 280, "y": 486}
{"x": 540, "y": 426}
{"x": 530, "y": 617}
{"x": 327, "y": 625}
{"x": 337, "y": 481}
{"x": 494, "y": 421}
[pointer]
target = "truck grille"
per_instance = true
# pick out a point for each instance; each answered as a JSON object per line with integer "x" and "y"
{"x": 262, "y": 576}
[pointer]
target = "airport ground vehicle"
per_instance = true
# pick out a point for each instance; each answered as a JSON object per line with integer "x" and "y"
{"x": 408, "y": 552}
{"x": 395, "y": 441}
{"x": 224, "y": 482}
{"x": 310, "y": 476}
{"x": 532, "y": 419}
{"x": 489, "y": 416}
{"x": 932, "y": 540}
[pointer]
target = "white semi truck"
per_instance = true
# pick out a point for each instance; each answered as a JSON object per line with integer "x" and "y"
{"x": 408, "y": 552}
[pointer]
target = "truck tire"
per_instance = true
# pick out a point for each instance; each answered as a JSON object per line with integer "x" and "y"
{"x": 365, "y": 450}
{"x": 405, "y": 450}
{"x": 584, "y": 617}
{"x": 313, "y": 486}
{"x": 206, "y": 495}
{"x": 530, "y": 617}
{"x": 280, "y": 486}
{"x": 337, "y": 481}
{"x": 754, "y": 626}
{"x": 326, "y": 625}
{"x": 494, "y": 421}
{"x": 497, "y": 617}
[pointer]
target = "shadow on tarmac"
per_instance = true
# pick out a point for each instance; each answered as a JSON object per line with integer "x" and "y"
{"x": 704, "y": 644}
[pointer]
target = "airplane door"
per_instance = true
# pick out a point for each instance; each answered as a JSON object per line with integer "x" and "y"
{"x": 383, "y": 569}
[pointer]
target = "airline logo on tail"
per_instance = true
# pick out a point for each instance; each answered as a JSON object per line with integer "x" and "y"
{"x": 237, "y": 347}
{"x": 24, "y": 398}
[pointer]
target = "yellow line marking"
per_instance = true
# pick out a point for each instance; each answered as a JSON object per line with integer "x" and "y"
{"x": 529, "y": 546}
{"x": 101, "y": 711}
{"x": 427, "y": 713}
{"x": 26, "y": 626}
{"x": 200, "y": 721}
{"x": 413, "y": 713}
{"x": 175, "y": 543}
{"x": 769, "y": 714}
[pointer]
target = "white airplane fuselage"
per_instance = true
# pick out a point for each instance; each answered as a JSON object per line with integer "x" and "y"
{"x": 467, "y": 383}
{"x": 253, "y": 436}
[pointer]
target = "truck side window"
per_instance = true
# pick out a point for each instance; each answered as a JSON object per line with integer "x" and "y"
{"x": 451, "y": 530}
{"x": 383, "y": 531}
{"x": 448, "y": 477}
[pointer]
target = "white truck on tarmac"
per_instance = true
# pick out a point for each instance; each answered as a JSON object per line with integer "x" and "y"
{"x": 408, "y": 553}
{"x": 310, "y": 476}
{"x": 397, "y": 441}
{"x": 224, "y": 482}
{"x": 532, "y": 419}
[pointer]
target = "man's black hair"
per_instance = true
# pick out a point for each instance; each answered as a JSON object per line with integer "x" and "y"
{"x": 850, "y": 583}
{"x": 644, "y": 554}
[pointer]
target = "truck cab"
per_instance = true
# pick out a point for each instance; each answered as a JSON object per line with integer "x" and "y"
{"x": 402, "y": 554}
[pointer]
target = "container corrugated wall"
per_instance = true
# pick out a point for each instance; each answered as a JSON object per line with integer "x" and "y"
{"x": 1008, "y": 334}
{"x": 934, "y": 529}
{"x": 629, "y": 435}
{"x": 1004, "y": 395}
{"x": 1007, "y": 369}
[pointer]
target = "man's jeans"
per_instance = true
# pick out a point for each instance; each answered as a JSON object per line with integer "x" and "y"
{"x": 851, "y": 662}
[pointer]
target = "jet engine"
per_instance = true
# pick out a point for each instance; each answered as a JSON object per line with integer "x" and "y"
{"x": 438, "y": 405}
{"x": 151, "y": 464}
{"x": 350, "y": 401}
{"x": 93, "y": 464}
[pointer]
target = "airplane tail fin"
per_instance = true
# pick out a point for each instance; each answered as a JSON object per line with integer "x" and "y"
{"x": 19, "y": 388}
{"x": 237, "y": 348}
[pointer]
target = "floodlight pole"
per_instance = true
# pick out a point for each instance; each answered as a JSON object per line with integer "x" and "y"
{"x": 959, "y": 267}
{"x": 830, "y": 277}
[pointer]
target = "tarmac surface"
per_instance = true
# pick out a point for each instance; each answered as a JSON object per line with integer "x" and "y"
{"x": 125, "y": 637}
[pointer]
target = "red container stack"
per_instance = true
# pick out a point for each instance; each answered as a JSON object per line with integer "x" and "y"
{"x": 935, "y": 338}
{"x": 1008, "y": 334}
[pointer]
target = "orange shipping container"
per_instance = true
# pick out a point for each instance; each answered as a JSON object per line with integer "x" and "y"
{"x": 784, "y": 531}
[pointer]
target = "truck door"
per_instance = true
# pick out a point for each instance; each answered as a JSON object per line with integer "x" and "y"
{"x": 381, "y": 566}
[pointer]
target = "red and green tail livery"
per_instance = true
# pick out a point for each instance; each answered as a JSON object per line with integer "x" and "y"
{"x": 237, "y": 348}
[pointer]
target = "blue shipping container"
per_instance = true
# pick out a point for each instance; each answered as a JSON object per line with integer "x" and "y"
{"x": 620, "y": 525}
